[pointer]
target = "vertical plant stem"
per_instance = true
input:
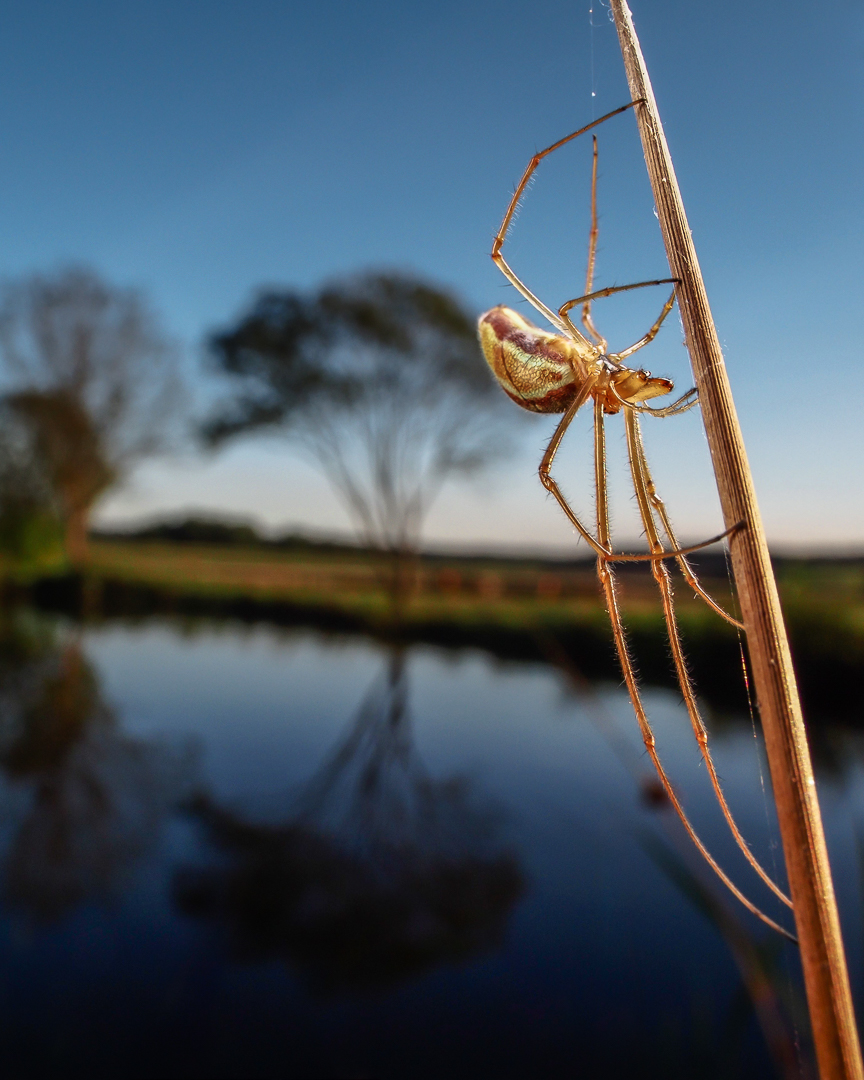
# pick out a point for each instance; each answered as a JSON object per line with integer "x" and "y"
{"x": 825, "y": 975}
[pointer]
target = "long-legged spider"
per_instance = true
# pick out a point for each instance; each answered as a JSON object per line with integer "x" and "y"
{"x": 558, "y": 373}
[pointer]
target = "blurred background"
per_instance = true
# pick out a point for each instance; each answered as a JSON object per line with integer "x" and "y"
{"x": 201, "y": 154}
{"x": 314, "y": 756}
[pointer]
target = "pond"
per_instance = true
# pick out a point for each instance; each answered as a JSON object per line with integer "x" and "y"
{"x": 250, "y": 852}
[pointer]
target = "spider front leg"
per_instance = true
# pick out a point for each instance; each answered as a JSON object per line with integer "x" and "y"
{"x": 501, "y": 235}
{"x": 586, "y": 300}
{"x": 652, "y": 333}
{"x": 641, "y": 480}
{"x": 607, "y": 580}
{"x": 587, "y": 321}
{"x": 610, "y": 291}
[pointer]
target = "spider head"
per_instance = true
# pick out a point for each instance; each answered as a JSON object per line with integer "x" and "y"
{"x": 626, "y": 386}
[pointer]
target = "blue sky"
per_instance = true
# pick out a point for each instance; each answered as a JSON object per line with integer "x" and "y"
{"x": 203, "y": 149}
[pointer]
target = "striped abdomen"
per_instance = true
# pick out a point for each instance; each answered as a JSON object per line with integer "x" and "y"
{"x": 539, "y": 370}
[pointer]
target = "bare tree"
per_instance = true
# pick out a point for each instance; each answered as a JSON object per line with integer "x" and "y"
{"x": 92, "y": 379}
{"x": 379, "y": 376}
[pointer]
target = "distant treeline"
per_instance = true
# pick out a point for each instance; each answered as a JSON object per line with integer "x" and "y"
{"x": 215, "y": 531}
{"x": 202, "y": 530}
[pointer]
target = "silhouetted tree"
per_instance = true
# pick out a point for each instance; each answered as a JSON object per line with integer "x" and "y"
{"x": 91, "y": 378}
{"x": 380, "y": 377}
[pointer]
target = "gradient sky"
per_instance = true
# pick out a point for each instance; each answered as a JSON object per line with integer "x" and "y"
{"x": 203, "y": 149}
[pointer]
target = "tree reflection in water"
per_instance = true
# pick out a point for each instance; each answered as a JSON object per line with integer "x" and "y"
{"x": 98, "y": 797}
{"x": 380, "y": 874}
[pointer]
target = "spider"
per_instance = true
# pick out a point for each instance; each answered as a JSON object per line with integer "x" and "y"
{"x": 560, "y": 372}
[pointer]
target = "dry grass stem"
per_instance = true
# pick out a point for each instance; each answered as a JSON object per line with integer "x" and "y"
{"x": 825, "y": 974}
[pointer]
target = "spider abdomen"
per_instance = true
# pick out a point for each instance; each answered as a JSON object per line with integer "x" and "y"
{"x": 539, "y": 370}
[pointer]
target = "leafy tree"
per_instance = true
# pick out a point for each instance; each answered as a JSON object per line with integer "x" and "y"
{"x": 90, "y": 377}
{"x": 380, "y": 378}
{"x": 31, "y": 532}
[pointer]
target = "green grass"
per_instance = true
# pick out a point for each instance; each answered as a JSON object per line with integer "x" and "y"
{"x": 827, "y": 596}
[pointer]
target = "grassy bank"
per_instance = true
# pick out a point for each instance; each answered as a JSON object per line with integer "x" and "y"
{"x": 521, "y": 608}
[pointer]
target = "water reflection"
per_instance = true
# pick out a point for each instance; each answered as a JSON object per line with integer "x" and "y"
{"x": 381, "y": 872}
{"x": 384, "y": 882}
{"x": 97, "y": 796}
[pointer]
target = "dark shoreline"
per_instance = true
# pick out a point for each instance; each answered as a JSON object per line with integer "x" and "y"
{"x": 829, "y": 662}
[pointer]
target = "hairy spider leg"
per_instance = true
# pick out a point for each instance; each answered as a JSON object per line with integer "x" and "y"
{"x": 609, "y": 291}
{"x": 638, "y": 469}
{"x": 660, "y": 507}
{"x": 662, "y": 556}
{"x": 652, "y": 333}
{"x": 682, "y": 405}
{"x": 548, "y": 481}
{"x": 551, "y": 485}
{"x": 587, "y": 321}
{"x": 607, "y": 579}
{"x": 686, "y": 401}
{"x": 498, "y": 242}
{"x": 586, "y": 300}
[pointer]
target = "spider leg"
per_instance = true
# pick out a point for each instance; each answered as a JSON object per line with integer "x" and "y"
{"x": 548, "y": 313}
{"x": 610, "y": 290}
{"x": 587, "y": 321}
{"x": 551, "y": 485}
{"x": 661, "y": 556}
{"x": 607, "y": 580}
{"x": 682, "y": 405}
{"x": 638, "y": 467}
{"x": 652, "y": 333}
{"x": 546, "y": 465}
{"x": 500, "y": 236}
{"x": 660, "y": 507}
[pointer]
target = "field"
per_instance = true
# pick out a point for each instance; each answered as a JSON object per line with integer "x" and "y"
{"x": 461, "y": 588}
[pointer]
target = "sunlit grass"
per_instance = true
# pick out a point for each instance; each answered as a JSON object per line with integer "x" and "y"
{"x": 829, "y": 600}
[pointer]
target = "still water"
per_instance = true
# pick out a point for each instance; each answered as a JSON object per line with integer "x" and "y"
{"x": 233, "y": 852}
